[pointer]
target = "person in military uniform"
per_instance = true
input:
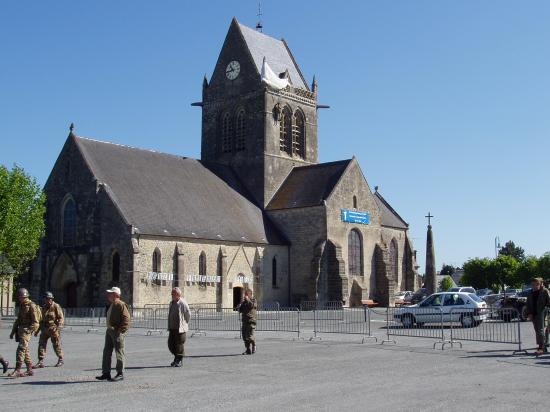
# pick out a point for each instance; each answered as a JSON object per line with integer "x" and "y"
{"x": 247, "y": 308}
{"x": 50, "y": 326}
{"x": 27, "y": 323}
{"x": 118, "y": 323}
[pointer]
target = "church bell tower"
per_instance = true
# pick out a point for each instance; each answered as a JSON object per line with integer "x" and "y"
{"x": 259, "y": 116}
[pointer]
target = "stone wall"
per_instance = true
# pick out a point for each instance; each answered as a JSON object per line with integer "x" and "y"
{"x": 222, "y": 259}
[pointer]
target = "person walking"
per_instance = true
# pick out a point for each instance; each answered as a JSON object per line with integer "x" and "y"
{"x": 118, "y": 323}
{"x": 247, "y": 308}
{"x": 537, "y": 303}
{"x": 27, "y": 323}
{"x": 50, "y": 328}
{"x": 178, "y": 325}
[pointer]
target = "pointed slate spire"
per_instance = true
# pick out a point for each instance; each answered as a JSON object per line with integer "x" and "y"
{"x": 71, "y": 128}
{"x": 430, "y": 277}
{"x": 314, "y": 85}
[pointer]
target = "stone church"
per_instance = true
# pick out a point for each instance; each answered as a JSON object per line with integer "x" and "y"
{"x": 257, "y": 210}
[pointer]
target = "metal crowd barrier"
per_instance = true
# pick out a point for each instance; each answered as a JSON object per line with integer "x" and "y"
{"x": 415, "y": 322}
{"x": 502, "y": 325}
{"x": 351, "y": 321}
{"x": 454, "y": 325}
{"x": 83, "y": 317}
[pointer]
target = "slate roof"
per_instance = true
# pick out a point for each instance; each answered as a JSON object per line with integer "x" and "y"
{"x": 276, "y": 52}
{"x": 389, "y": 217}
{"x": 169, "y": 195}
{"x": 308, "y": 185}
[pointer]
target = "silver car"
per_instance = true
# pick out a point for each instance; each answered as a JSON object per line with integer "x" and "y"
{"x": 466, "y": 308}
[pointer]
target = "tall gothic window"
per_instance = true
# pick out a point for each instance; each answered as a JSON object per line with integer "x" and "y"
{"x": 298, "y": 134}
{"x": 355, "y": 202}
{"x": 115, "y": 270}
{"x": 227, "y": 134}
{"x": 274, "y": 273}
{"x": 157, "y": 266}
{"x": 69, "y": 223}
{"x": 240, "y": 132}
{"x": 355, "y": 253}
{"x": 394, "y": 259}
{"x": 285, "y": 131}
{"x": 202, "y": 268}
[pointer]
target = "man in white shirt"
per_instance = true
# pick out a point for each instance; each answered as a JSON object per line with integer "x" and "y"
{"x": 178, "y": 325}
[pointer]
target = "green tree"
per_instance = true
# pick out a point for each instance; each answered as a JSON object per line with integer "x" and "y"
{"x": 446, "y": 283}
{"x": 510, "y": 249}
{"x": 477, "y": 273}
{"x": 504, "y": 271}
{"x": 543, "y": 267}
{"x": 528, "y": 269}
{"x": 447, "y": 270}
{"x": 22, "y": 207}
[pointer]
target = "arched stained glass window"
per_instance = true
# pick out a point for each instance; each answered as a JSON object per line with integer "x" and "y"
{"x": 355, "y": 253}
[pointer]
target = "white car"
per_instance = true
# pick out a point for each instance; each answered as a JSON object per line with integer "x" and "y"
{"x": 467, "y": 289}
{"x": 466, "y": 308}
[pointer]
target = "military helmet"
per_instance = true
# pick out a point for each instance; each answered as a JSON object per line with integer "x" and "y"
{"x": 48, "y": 295}
{"x": 22, "y": 293}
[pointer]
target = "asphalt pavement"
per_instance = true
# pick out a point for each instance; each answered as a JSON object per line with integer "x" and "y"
{"x": 332, "y": 372}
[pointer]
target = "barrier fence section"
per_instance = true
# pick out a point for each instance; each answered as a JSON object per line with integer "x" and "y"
{"x": 415, "y": 322}
{"x": 496, "y": 325}
{"x": 350, "y": 321}
{"x": 449, "y": 326}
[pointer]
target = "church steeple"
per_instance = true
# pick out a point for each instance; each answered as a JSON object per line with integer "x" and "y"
{"x": 262, "y": 129}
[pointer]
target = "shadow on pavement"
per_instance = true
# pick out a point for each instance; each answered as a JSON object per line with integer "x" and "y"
{"x": 45, "y": 383}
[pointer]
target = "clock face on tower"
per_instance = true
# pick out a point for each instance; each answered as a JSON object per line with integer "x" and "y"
{"x": 233, "y": 69}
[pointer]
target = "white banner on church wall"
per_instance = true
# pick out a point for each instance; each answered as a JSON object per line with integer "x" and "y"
{"x": 160, "y": 276}
{"x": 204, "y": 279}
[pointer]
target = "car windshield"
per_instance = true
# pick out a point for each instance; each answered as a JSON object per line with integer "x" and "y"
{"x": 475, "y": 297}
{"x": 454, "y": 290}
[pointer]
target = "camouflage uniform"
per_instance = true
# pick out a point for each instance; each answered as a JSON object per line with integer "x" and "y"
{"x": 24, "y": 326}
{"x": 52, "y": 322}
{"x": 248, "y": 311}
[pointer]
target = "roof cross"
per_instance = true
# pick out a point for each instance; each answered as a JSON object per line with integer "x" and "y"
{"x": 429, "y": 216}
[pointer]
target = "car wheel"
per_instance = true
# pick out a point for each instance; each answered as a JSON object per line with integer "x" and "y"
{"x": 407, "y": 321}
{"x": 467, "y": 321}
{"x": 523, "y": 313}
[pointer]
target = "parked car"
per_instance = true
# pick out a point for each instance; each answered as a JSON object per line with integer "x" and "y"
{"x": 401, "y": 297}
{"x": 465, "y": 308}
{"x": 466, "y": 289}
{"x": 419, "y": 296}
{"x": 517, "y": 301}
{"x": 484, "y": 292}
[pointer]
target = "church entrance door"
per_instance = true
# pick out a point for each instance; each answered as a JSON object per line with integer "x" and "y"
{"x": 238, "y": 294}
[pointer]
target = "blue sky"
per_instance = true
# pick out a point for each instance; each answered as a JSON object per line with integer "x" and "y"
{"x": 446, "y": 104}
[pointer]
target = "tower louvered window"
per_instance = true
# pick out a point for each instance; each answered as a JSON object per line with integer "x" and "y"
{"x": 285, "y": 131}
{"x": 227, "y": 134}
{"x": 240, "y": 132}
{"x": 298, "y": 135}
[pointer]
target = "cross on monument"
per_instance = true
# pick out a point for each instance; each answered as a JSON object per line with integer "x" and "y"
{"x": 429, "y": 216}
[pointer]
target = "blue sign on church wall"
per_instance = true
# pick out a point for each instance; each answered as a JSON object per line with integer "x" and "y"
{"x": 355, "y": 216}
